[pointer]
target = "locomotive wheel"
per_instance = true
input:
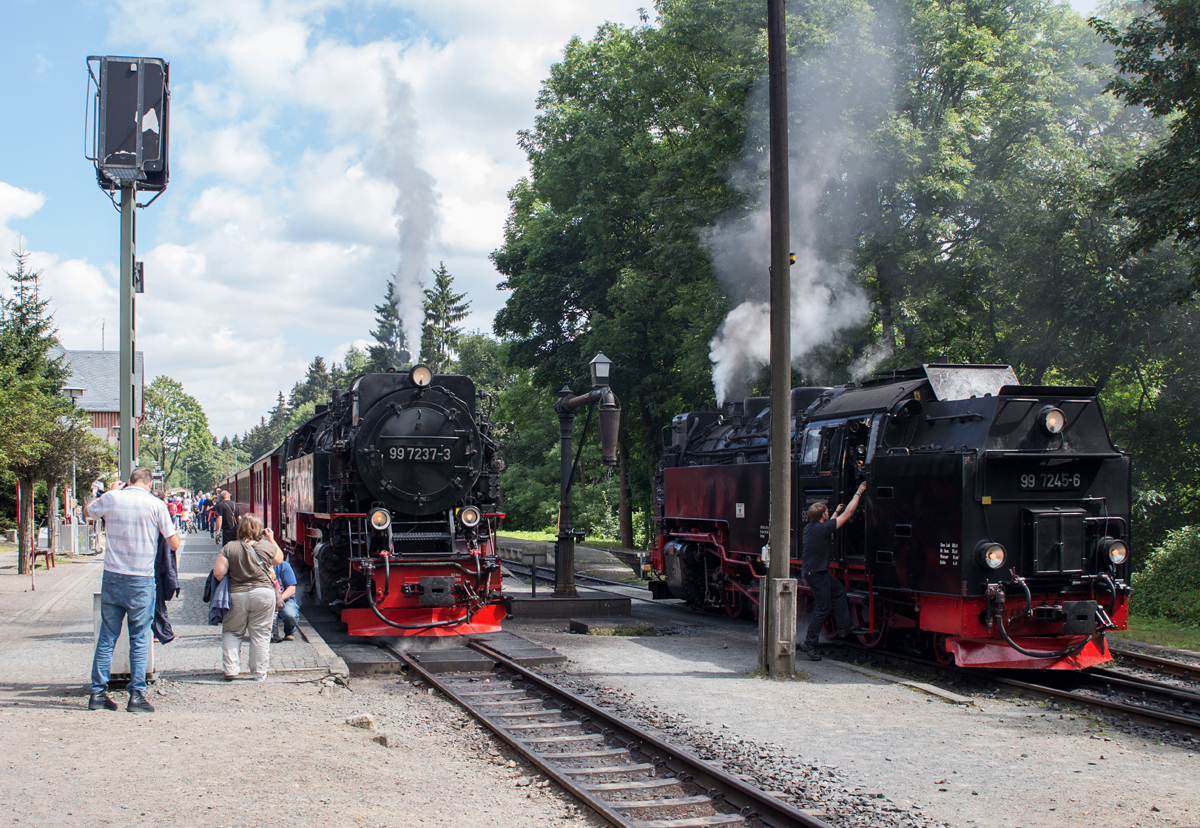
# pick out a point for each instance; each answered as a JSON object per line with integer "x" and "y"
{"x": 858, "y": 612}
{"x": 940, "y": 651}
{"x": 325, "y": 576}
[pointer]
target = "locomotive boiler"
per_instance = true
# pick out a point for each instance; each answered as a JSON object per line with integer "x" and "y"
{"x": 388, "y": 496}
{"x": 995, "y": 528}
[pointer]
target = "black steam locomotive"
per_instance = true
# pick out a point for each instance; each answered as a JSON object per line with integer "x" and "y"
{"x": 995, "y": 528}
{"x": 389, "y": 495}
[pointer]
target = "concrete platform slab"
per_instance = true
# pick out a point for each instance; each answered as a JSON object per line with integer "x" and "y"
{"x": 589, "y": 603}
{"x": 521, "y": 650}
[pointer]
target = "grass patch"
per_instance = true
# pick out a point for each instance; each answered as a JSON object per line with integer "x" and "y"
{"x": 629, "y": 631}
{"x": 550, "y": 537}
{"x": 1161, "y": 631}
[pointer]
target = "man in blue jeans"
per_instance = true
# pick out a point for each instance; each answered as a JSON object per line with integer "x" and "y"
{"x": 289, "y": 615}
{"x": 133, "y": 520}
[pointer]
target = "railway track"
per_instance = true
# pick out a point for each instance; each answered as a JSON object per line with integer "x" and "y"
{"x": 1179, "y": 669}
{"x": 629, "y": 777}
{"x": 1137, "y": 698}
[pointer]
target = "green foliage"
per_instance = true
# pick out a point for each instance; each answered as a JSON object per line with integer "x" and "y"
{"x": 628, "y": 159}
{"x": 1158, "y": 56}
{"x": 443, "y": 308}
{"x": 176, "y": 426}
{"x": 1169, "y": 584}
{"x": 390, "y": 351}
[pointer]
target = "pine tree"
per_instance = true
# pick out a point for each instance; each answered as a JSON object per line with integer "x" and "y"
{"x": 314, "y": 389}
{"x": 27, "y": 331}
{"x": 443, "y": 307}
{"x": 391, "y": 352}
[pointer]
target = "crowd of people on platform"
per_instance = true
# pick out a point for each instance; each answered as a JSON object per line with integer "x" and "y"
{"x": 255, "y": 588}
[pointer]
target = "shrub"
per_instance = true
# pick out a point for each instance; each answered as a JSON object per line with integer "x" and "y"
{"x": 1169, "y": 585}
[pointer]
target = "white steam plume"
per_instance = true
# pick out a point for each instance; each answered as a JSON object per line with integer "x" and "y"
{"x": 825, "y": 298}
{"x": 416, "y": 208}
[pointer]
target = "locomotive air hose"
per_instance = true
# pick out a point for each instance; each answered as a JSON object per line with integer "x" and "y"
{"x": 429, "y": 626}
{"x": 432, "y": 624}
{"x": 1072, "y": 650}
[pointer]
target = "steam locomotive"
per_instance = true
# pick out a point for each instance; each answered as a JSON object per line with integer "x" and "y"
{"x": 388, "y": 497}
{"x": 995, "y": 528}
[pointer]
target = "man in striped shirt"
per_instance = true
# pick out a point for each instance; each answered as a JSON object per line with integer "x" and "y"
{"x": 133, "y": 520}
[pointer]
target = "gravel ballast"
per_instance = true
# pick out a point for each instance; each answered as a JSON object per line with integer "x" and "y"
{"x": 869, "y": 752}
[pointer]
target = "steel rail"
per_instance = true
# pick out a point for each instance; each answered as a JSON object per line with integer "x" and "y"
{"x": 604, "y": 730}
{"x": 1181, "y": 669}
{"x": 1146, "y": 715}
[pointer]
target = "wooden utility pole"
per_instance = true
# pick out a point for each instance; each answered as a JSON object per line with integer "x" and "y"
{"x": 777, "y": 592}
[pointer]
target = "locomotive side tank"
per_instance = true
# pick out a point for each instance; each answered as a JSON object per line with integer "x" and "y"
{"x": 995, "y": 525}
{"x": 388, "y": 495}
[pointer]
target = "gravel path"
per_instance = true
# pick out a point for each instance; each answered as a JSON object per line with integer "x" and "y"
{"x": 869, "y": 752}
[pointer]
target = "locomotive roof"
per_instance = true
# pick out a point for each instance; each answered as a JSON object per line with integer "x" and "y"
{"x": 943, "y": 382}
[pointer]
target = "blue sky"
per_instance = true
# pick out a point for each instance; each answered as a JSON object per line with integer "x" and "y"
{"x": 302, "y": 131}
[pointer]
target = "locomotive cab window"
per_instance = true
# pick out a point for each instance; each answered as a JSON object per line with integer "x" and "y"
{"x": 812, "y": 447}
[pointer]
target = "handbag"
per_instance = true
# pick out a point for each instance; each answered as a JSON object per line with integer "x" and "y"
{"x": 250, "y": 550}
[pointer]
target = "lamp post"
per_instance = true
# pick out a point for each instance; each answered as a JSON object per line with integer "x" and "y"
{"x": 610, "y": 422}
{"x": 74, "y": 394}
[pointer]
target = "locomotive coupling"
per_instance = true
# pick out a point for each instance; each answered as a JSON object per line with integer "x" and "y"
{"x": 995, "y": 602}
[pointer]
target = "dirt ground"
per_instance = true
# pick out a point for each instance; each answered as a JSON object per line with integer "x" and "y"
{"x": 271, "y": 754}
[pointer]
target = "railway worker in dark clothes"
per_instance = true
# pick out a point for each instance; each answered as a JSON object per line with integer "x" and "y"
{"x": 227, "y": 520}
{"x": 289, "y": 613}
{"x": 828, "y": 593}
{"x": 134, "y": 518}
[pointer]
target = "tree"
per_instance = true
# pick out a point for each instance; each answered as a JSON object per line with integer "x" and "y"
{"x": 315, "y": 387}
{"x": 176, "y": 426}
{"x": 391, "y": 350}
{"x": 443, "y": 308}
{"x": 27, "y": 333}
{"x": 629, "y": 158}
{"x": 30, "y": 380}
{"x": 1158, "y": 56}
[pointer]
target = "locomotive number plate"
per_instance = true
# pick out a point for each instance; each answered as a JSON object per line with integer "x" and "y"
{"x": 1050, "y": 480}
{"x": 419, "y": 454}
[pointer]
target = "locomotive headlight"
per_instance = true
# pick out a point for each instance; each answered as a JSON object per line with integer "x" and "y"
{"x": 421, "y": 375}
{"x": 469, "y": 516}
{"x": 380, "y": 519}
{"x": 1052, "y": 420}
{"x": 991, "y": 555}
{"x": 1116, "y": 550}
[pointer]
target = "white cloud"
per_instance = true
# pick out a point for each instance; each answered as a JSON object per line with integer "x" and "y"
{"x": 279, "y": 232}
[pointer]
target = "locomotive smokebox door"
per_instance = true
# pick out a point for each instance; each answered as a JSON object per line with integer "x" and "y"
{"x": 437, "y": 590}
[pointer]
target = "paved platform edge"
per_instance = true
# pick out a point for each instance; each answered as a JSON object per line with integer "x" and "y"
{"x": 334, "y": 662}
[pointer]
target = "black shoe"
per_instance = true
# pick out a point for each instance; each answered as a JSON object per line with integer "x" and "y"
{"x": 138, "y": 704}
{"x": 101, "y": 701}
{"x": 811, "y": 652}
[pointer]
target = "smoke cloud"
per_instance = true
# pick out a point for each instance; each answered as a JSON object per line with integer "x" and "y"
{"x": 416, "y": 208}
{"x": 836, "y": 99}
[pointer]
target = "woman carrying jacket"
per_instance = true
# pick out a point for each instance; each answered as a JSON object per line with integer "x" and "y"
{"x": 247, "y": 562}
